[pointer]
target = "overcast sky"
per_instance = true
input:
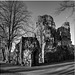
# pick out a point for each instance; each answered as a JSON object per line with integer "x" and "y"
{"x": 49, "y": 7}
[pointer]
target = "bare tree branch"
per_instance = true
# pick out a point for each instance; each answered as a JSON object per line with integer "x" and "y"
{"x": 13, "y": 15}
{"x": 64, "y": 6}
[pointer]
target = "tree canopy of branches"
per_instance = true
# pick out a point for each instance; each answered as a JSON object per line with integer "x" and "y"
{"x": 13, "y": 16}
{"x": 64, "y": 5}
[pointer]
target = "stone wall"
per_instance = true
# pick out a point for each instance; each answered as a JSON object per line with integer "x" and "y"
{"x": 29, "y": 51}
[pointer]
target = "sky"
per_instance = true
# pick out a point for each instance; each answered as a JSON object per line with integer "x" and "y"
{"x": 49, "y": 7}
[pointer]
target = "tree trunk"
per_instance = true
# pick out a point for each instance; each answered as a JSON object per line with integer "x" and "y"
{"x": 9, "y": 54}
{"x": 3, "y": 53}
{"x": 6, "y": 51}
{"x": 9, "y": 57}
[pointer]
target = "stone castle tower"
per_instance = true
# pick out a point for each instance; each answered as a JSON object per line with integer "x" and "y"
{"x": 63, "y": 34}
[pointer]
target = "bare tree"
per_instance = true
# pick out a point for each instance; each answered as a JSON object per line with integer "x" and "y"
{"x": 64, "y": 5}
{"x": 13, "y": 17}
